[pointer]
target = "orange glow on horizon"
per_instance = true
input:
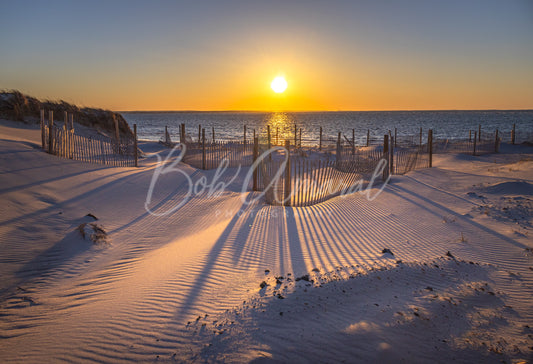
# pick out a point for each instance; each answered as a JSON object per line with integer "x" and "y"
{"x": 313, "y": 86}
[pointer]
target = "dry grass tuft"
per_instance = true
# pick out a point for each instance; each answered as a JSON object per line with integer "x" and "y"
{"x": 19, "y": 107}
{"x": 94, "y": 233}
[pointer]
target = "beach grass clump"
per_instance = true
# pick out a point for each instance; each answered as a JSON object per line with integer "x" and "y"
{"x": 16, "y": 106}
{"x": 93, "y": 232}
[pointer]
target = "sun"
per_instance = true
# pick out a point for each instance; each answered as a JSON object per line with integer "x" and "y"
{"x": 278, "y": 84}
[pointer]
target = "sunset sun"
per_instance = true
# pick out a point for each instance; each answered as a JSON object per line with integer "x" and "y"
{"x": 278, "y": 84}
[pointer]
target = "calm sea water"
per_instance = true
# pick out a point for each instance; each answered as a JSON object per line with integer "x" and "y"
{"x": 230, "y": 125}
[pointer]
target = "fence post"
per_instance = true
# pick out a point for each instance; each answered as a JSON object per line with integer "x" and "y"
{"x": 395, "y": 136}
{"x": 213, "y": 131}
{"x": 475, "y": 140}
{"x": 199, "y": 134}
{"x": 295, "y": 136}
{"x": 353, "y": 141}
{"x": 320, "y": 140}
{"x": 287, "y": 196}
{"x": 135, "y": 152}
{"x": 255, "y": 155}
{"x": 277, "y": 135}
{"x": 66, "y": 139}
{"x": 386, "y": 156}
{"x": 430, "y": 147}
{"x": 50, "y": 132}
{"x": 245, "y": 137}
{"x": 42, "y": 128}
{"x": 71, "y": 156}
{"x": 391, "y": 154}
{"x": 479, "y": 133}
{"x": 181, "y": 134}
{"x": 513, "y": 134}
{"x": 268, "y": 137}
{"x": 300, "y": 145}
{"x": 203, "y": 150}
{"x": 338, "y": 154}
{"x": 102, "y": 152}
{"x": 496, "y": 142}
{"x": 117, "y": 133}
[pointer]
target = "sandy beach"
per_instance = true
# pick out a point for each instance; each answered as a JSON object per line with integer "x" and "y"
{"x": 437, "y": 268}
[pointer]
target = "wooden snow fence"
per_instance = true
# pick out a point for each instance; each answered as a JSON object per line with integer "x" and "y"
{"x": 209, "y": 154}
{"x": 65, "y": 143}
{"x": 401, "y": 157}
{"x": 301, "y": 182}
{"x": 409, "y": 159}
{"x": 348, "y": 167}
{"x": 474, "y": 145}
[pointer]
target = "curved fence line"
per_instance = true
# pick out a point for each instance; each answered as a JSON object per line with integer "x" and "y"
{"x": 312, "y": 176}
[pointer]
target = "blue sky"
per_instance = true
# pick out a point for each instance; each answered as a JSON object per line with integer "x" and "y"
{"x": 206, "y": 55}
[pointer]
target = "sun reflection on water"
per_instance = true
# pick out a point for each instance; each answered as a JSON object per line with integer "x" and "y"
{"x": 281, "y": 127}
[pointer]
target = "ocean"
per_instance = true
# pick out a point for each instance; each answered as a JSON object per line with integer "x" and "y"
{"x": 230, "y": 125}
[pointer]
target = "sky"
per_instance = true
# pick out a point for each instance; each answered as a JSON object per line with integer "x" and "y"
{"x": 223, "y": 55}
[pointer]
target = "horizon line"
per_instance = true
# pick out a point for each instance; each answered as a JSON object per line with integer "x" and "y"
{"x": 309, "y": 111}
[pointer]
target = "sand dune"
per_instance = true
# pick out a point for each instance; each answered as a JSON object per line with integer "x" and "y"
{"x": 186, "y": 286}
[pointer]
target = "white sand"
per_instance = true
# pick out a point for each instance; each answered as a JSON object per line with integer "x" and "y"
{"x": 186, "y": 286}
